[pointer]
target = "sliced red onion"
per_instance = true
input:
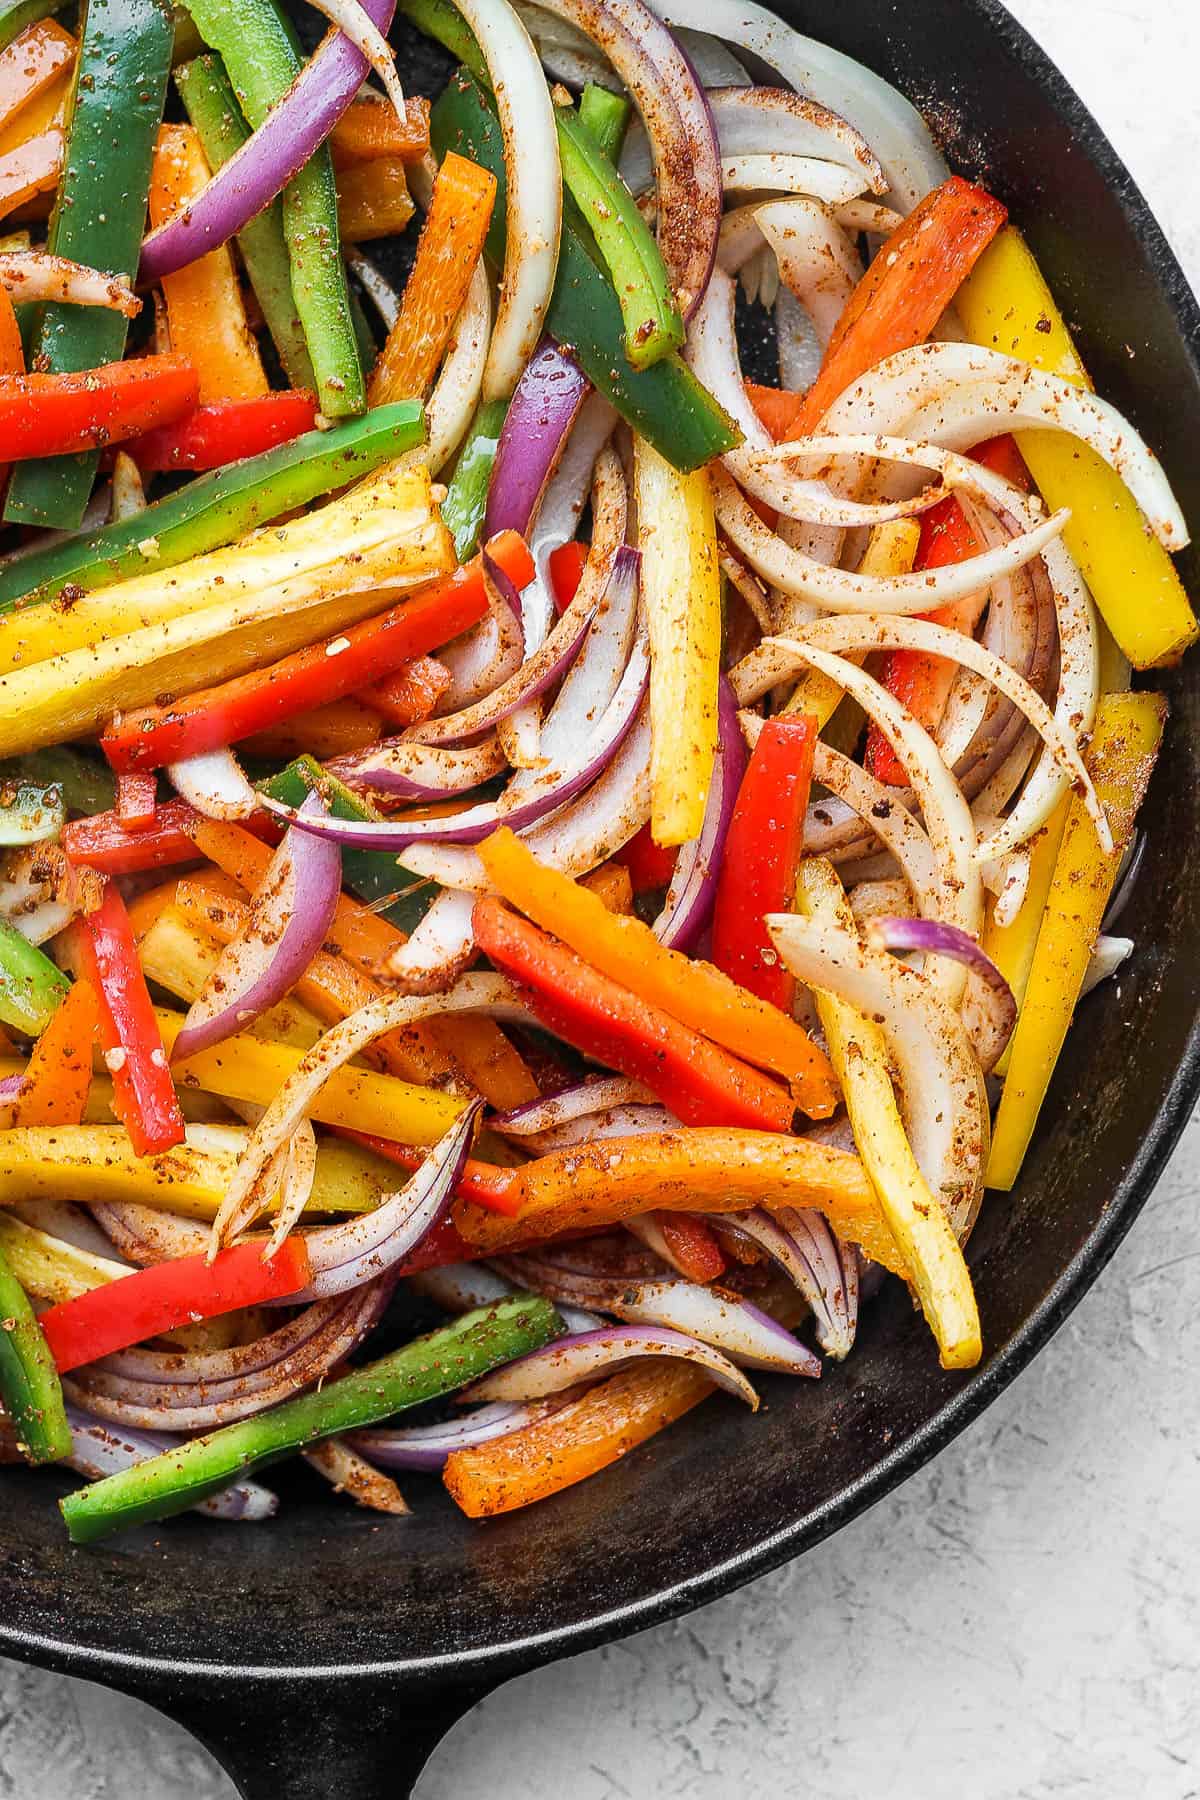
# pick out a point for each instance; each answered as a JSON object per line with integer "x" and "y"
{"x": 285, "y": 927}
{"x": 693, "y": 890}
{"x": 260, "y": 170}
{"x": 214, "y": 784}
{"x": 426, "y": 1447}
{"x": 492, "y": 653}
{"x": 593, "y": 1354}
{"x": 615, "y": 1121}
{"x": 683, "y": 140}
{"x": 751, "y": 121}
{"x": 534, "y": 434}
{"x": 807, "y": 1251}
{"x": 355, "y": 22}
{"x": 936, "y": 939}
{"x": 418, "y": 772}
{"x": 144, "y": 1234}
{"x": 459, "y": 1287}
{"x": 557, "y": 518}
{"x": 98, "y": 1450}
{"x": 592, "y": 1096}
{"x": 10, "y": 1087}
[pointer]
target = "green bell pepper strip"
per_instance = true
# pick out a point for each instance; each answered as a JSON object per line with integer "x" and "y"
{"x": 99, "y": 217}
{"x": 216, "y": 508}
{"x": 466, "y": 499}
{"x": 30, "y": 813}
{"x": 423, "y": 1370}
{"x": 653, "y": 322}
{"x": 262, "y": 57}
{"x": 606, "y": 116}
{"x": 29, "y": 1384}
{"x": 212, "y": 107}
{"x": 372, "y": 874}
{"x": 31, "y": 988}
{"x": 665, "y": 403}
{"x": 87, "y": 786}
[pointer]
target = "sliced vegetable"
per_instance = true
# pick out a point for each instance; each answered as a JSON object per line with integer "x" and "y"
{"x": 1120, "y": 759}
{"x": 58, "y": 1076}
{"x": 566, "y": 566}
{"x": 143, "y": 1093}
{"x": 1007, "y": 305}
{"x": 104, "y": 844}
{"x": 412, "y": 694}
{"x": 701, "y": 1083}
{"x": 1011, "y": 946}
{"x": 204, "y": 301}
{"x": 83, "y": 781}
{"x": 17, "y": 15}
{"x": 681, "y": 592}
{"x": 45, "y": 415}
{"x": 30, "y": 815}
{"x": 762, "y": 856}
{"x": 373, "y": 202}
{"x": 29, "y": 1384}
{"x": 465, "y": 503}
{"x": 370, "y": 130}
{"x": 31, "y": 988}
{"x": 666, "y": 403}
{"x": 225, "y": 431}
{"x": 487, "y": 1184}
{"x": 430, "y": 1366}
{"x": 151, "y": 1301}
{"x": 121, "y": 74}
{"x": 30, "y": 62}
{"x": 626, "y": 951}
{"x": 213, "y": 109}
{"x": 606, "y": 115}
{"x": 216, "y": 510}
{"x": 450, "y": 246}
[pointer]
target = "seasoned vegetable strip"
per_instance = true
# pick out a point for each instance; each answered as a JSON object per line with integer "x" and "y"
{"x": 121, "y": 75}
{"x": 423, "y": 1370}
{"x": 31, "y": 988}
{"x": 29, "y": 1384}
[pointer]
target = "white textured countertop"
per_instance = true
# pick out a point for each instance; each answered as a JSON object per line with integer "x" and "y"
{"x": 1020, "y": 1621}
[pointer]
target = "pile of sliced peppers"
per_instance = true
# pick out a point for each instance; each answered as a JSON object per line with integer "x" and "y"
{"x": 495, "y": 803}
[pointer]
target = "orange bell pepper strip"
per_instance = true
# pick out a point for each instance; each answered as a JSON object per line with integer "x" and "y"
{"x": 373, "y": 200}
{"x": 776, "y": 408}
{"x": 204, "y": 301}
{"x": 611, "y": 885}
{"x": 338, "y": 729}
{"x": 137, "y": 800}
{"x": 29, "y": 170}
{"x": 31, "y": 63}
{"x": 58, "y": 1076}
{"x": 56, "y": 415}
{"x": 697, "y": 995}
{"x": 758, "y": 869}
{"x": 450, "y": 246}
{"x": 411, "y": 694}
{"x": 701, "y": 1082}
{"x": 370, "y": 129}
{"x": 921, "y": 681}
{"x": 693, "y": 1245}
{"x": 907, "y": 288}
{"x": 579, "y": 1440}
{"x": 710, "y": 1170}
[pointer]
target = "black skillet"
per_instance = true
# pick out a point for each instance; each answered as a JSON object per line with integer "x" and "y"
{"x": 326, "y": 1654}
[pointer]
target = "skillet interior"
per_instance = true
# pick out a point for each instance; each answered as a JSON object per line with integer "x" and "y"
{"x": 724, "y": 1496}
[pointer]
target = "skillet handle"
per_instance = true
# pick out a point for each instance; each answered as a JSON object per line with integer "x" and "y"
{"x": 321, "y": 1740}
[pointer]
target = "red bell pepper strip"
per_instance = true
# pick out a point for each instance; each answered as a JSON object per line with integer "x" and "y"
{"x": 410, "y": 695}
{"x": 762, "y": 854}
{"x": 137, "y": 799}
{"x": 650, "y": 865}
{"x": 694, "y": 1246}
{"x": 566, "y": 573}
{"x": 168, "y": 1294}
{"x": 920, "y": 681}
{"x": 55, "y": 415}
{"x": 701, "y": 1083}
{"x": 224, "y": 431}
{"x": 486, "y": 1183}
{"x": 12, "y": 355}
{"x": 103, "y": 842}
{"x": 214, "y": 717}
{"x": 144, "y": 1097}
{"x": 904, "y": 293}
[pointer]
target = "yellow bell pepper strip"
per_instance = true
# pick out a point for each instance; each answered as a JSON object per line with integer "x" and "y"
{"x": 59, "y": 1075}
{"x": 134, "y": 1055}
{"x": 49, "y": 1267}
{"x": 373, "y": 200}
{"x": 29, "y": 1384}
{"x": 96, "y": 1162}
{"x": 250, "y": 1068}
{"x": 31, "y": 988}
{"x": 938, "y": 1272}
{"x": 423, "y": 1370}
{"x": 280, "y": 590}
{"x": 449, "y": 248}
{"x": 627, "y": 951}
{"x": 154, "y": 1300}
{"x": 1006, "y": 305}
{"x": 681, "y": 591}
{"x": 1011, "y": 946}
{"x": 579, "y": 1440}
{"x": 702, "y": 1170}
{"x": 204, "y": 301}
{"x": 372, "y": 129}
{"x": 30, "y": 63}
{"x": 700, "y": 1082}
{"x": 762, "y": 855}
{"x": 1120, "y": 759}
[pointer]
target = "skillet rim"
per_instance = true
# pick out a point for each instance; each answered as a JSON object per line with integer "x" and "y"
{"x": 497, "y": 1662}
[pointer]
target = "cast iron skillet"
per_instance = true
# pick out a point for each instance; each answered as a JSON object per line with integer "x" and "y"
{"x": 327, "y": 1652}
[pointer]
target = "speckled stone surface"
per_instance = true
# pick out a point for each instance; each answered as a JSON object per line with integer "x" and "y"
{"x": 1022, "y": 1620}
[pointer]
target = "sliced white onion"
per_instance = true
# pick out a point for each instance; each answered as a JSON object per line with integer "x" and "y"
{"x": 28, "y": 275}
{"x": 1107, "y": 957}
{"x": 746, "y": 1334}
{"x": 214, "y": 784}
{"x": 753, "y": 121}
{"x": 798, "y": 342}
{"x": 355, "y": 23}
{"x": 439, "y": 948}
{"x": 770, "y": 172}
{"x": 594, "y": 1095}
{"x": 451, "y": 406}
{"x": 128, "y": 489}
{"x": 807, "y": 1251}
{"x": 816, "y": 260}
{"x": 407, "y": 771}
{"x": 891, "y": 821}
